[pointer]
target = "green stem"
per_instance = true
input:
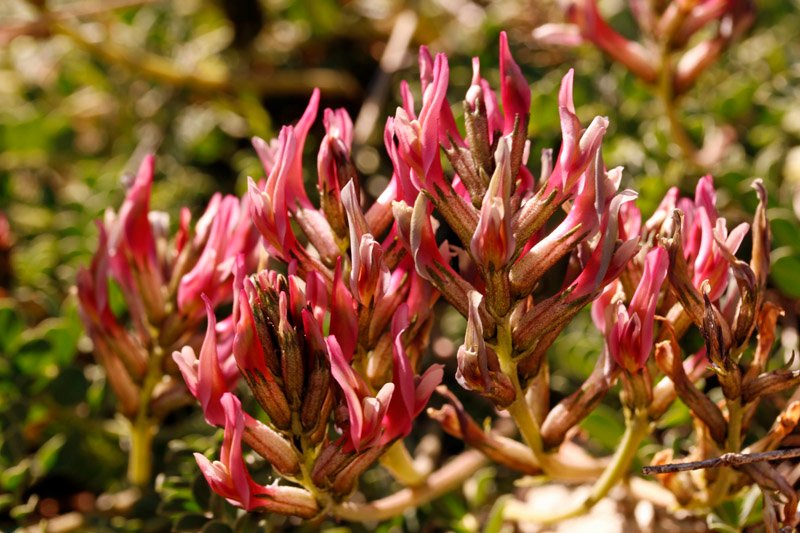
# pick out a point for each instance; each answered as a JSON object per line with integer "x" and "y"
{"x": 140, "y": 456}
{"x": 637, "y": 427}
{"x": 521, "y": 412}
{"x": 143, "y": 427}
{"x": 399, "y": 462}
{"x": 440, "y": 482}
{"x": 733, "y": 444}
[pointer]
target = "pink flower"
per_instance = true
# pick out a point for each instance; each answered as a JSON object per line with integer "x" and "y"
{"x": 514, "y": 91}
{"x": 334, "y": 167}
{"x": 344, "y": 322}
{"x": 411, "y": 393}
{"x": 365, "y": 411}
{"x": 133, "y": 256}
{"x": 704, "y": 233}
{"x": 579, "y": 146}
{"x": 268, "y": 206}
{"x": 204, "y": 376}
{"x": 418, "y": 138}
{"x": 229, "y": 477}
{"x": 229, "y": 233}
{"x": 493, "y": 243}
{"x": 630, "y": 337}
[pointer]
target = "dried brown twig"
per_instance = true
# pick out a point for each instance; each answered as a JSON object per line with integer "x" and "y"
{"x": 729, "y": 459}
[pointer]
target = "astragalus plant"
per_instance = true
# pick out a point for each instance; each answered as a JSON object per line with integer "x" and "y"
{"x": 328, "y": 311}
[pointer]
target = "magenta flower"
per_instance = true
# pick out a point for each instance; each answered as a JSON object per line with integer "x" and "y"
{"x": 514, "y": 91}
{"x": 229, "y": 477}
{"x": 366, "y": 412}
{"x": 704, "y": 234}
{"x": 204, "y": 376}
{"x": 411, "y": 393}
{"x": 630, "y": 336}
{"x": 223, "y": 233}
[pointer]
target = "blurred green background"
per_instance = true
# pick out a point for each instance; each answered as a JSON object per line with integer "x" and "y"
{"x": 88, "y": 86}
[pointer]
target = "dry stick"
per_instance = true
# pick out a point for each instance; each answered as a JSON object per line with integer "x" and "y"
{"x": 205, "y": 81}
{"x": 392, "y": 59}
{"x": 449, "y": 477}
{"x": 728, "y": 459}
{"x": 39, "y": 26}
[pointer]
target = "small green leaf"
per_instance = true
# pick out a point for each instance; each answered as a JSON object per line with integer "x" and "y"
{"x": 13, "y": 476}
{"x": 47, "y": 456}
{"x": 785, "y": 271}
{"x": 201, "y": 492}
{"x": 605, "y": 426}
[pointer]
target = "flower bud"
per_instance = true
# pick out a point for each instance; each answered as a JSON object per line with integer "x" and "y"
{"x": 271, "y": 445}
{"x": 514, "y": 91}
{"x": 251, "y": 356}
{"x": 335, "y": 168}
{"x": 477, "y": 370}
{"x": 493, "y": 243}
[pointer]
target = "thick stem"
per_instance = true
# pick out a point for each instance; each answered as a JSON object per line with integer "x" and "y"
{"x": 440, "y": 482}
{"x": 401, "y": 465}
{"x": 521, "y": 412}
{"x": 637, "y": 428}
{"x": 143, "y": 427}
{"x": 140, "y": 455}
{"x": 733, "y": 444}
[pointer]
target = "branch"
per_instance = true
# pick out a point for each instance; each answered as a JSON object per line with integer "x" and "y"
{"x": 729, "y": 459}
{"x": 442, "y": 481}
{"x": 163, "y": 70}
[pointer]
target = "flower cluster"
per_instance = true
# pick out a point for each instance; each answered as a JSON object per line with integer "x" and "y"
{"x": 332, "y": 304}
{"x": 329, "y": 350}
{"x": 161, "y": 280}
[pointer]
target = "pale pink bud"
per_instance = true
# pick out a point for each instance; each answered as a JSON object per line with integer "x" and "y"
{"x": 368, "y": 274}
{"x": 474, "y": 369}
{"x": 493, "y": 243}
{"x": 558, "y": 34}
{"x": 696, "y": 60}
{"x": 334, "y": 167}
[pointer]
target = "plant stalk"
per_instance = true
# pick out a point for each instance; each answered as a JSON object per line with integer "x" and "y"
{"x": 440, "y": 482}
{"x": 637, "y": 427}
{"x": 401, "y": 465}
